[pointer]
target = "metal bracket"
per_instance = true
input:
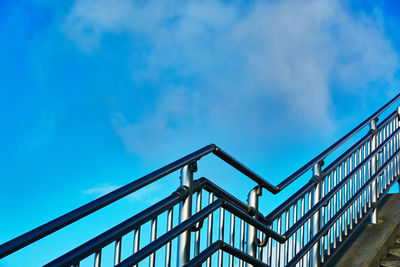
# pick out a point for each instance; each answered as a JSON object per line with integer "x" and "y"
{"x": 193, "y": 166}
{"x": 316, "y": 179}
{"x": 263, "y": 242}
{"x": 195, "y": 228}
{"x": 373, "y": 131}
{"x": 183, "y": 191}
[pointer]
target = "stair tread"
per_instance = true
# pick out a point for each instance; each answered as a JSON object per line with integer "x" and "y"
{"x": 391, "y": 258}
{"x": 394, "y": 250}
{"x": 395, "y": 246}
{"x": 390, "y": 263}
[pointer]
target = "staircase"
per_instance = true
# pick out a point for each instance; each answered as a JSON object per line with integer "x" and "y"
{"x": 392, "y": 259}
{"x": 201, "y": 223}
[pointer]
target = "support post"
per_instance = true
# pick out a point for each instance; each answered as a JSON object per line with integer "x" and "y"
{"x": 185, "y": 212}
{"x": 316, "y": 222}
{"x": 252, "y": 200}
{"x": 397, "y": 168}
{"x": 374, "y": 167}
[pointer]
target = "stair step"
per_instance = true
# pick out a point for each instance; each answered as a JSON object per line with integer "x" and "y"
{"x": 398, "y": 240}
{"x": 390, "y": 263}
{"x": 395, "y": 250}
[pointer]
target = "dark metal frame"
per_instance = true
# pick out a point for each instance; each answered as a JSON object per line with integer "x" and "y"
{"x": 246, "y": 212}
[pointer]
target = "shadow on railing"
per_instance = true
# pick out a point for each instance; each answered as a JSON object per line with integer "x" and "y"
{"x": 306, "y": 230}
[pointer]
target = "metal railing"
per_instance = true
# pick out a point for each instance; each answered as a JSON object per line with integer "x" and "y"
{"x": 305, "y": 230}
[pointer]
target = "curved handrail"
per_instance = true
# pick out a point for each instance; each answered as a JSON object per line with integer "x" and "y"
{"x": 74, "y": 215}
{"x": 308, "y": 186}
{"x": 336, "y": 145}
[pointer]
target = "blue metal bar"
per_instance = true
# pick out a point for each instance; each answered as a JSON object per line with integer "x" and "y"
{"x": 118, "y": 231}
{"x": 68, "y": 218}
{"x": 333, "y": 147}
{"x": 338, "y": 187}
{"x": 165, "y": 238}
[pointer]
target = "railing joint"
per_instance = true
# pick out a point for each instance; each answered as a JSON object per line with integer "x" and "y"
{"x": 183, "y": 191}
{"x": 193, "y": 166}
{"x": 316, "y": 179}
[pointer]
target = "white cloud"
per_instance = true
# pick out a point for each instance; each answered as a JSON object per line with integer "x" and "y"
{"x": 250, "y": 70}
{"x": 100, "y": 190}
{"x": 147, "y": 195}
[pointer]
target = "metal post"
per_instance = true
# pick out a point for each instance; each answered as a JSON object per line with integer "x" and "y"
{"x": 252, "y": 200}
{"x": 374, "y": 166}
{"x": 185, "y": 211}
{"x": 397, "y": 161}
{"x": 316, "y": 196}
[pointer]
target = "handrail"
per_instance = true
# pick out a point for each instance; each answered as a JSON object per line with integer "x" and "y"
{"x": 334, "y": 164}
{"x": 76, "y": 214}
{"x": 333, "y": 147}
{"x": 338, "y": 187}
{"x": 204, "y": 183}
{"x": 308, "y": 186}
{"x": 341, "y": 211}
{"x": 230, "y": 203}
{"x": 185, "y": 225}
{"x": 70, "y": 217}
{"x": 102, "y": 240}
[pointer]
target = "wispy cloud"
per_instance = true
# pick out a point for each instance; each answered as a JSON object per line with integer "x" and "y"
{"x": 238, "y": 69}
{"x": 100, "y": 190}
{"x": 146, "y": 196}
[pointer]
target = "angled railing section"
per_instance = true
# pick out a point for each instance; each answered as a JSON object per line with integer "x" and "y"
{"x": 305, "y": 230}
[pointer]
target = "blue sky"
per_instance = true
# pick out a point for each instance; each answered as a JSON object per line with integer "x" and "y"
{"x": 94, "y": 94}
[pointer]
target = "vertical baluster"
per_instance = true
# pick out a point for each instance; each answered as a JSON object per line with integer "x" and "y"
{"x": 232, "y": 239}
{"x": 310, "y": 221}
{"x": 252, "y": 200}
{"x": 260, "y": 249}
{"x": 397, "y": 124}
{"x": 168, "y": 247}
{"x": 341, "y": 220}
{"x": 210, "y": 227}
{"x": 335, "y": 225}
{"x": 365, "y": 178}
{"x": 351, "y": 185}
{"x": 322, "y": 221}
{"x": 329, "y": 240}
{"x": 221, "y": 234}
{"x": 278, "y": 245}
{"x": 197, "y": 236}
{"x": 382, "y": 155}
{"x": 117, "y": 252}
{"x": 77, "y": 264}
{"x": 185, "y": 212}
{"x": 360, "y": 203}
{"x": 97, "y": 259}
{"x": 316, "y": 220}
{"x": 136, "y": 241}
{"x": 242, "y": 236}
{"x": 386, "y": 158}
{"x": 374, "y": 215}
{"x": 302, "y": 211}
{"x": 294, "y": 238}
{"x": 286, "y": 244}
{"x": 153, "y": 237}
{"x": 346, "y": 214}
{"x": 269, "y": 250}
